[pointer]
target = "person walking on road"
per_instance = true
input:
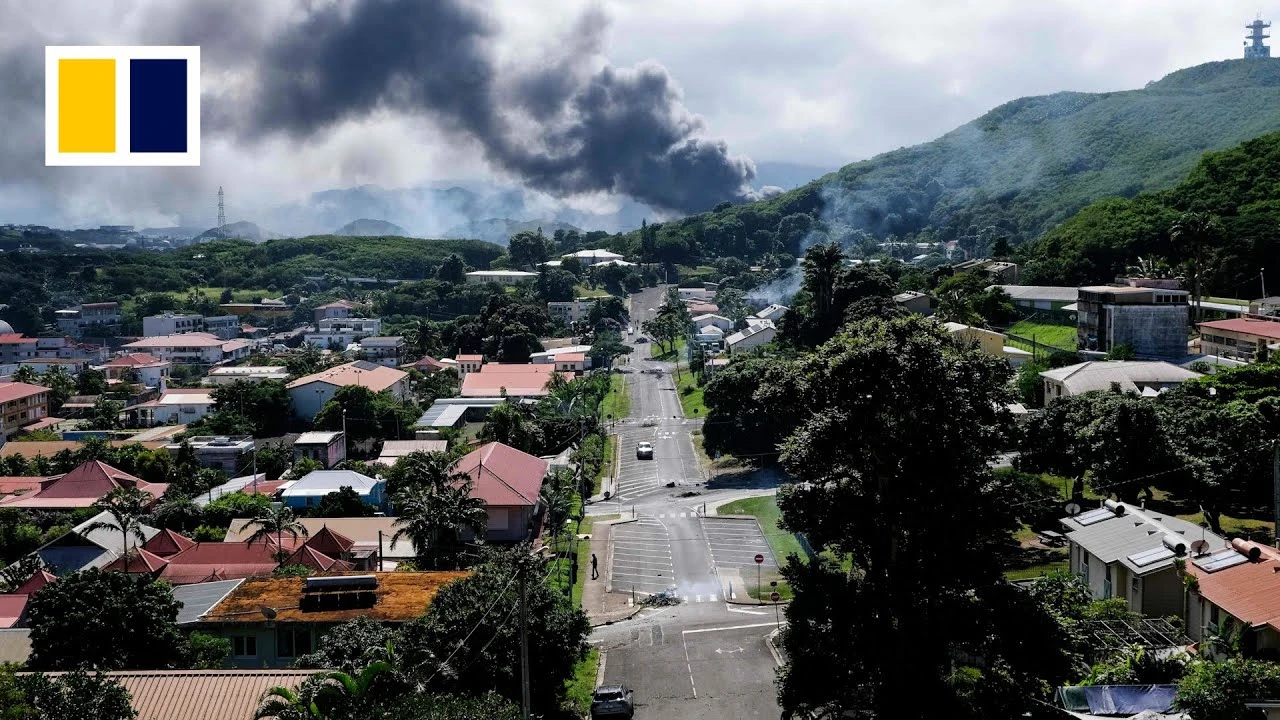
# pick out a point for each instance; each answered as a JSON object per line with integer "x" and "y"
{"x": 595, "y": 574}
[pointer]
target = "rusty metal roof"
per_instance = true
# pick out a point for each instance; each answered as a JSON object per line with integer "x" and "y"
{"x": 202, "y": 694}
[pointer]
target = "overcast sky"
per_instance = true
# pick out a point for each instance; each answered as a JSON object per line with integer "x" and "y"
{"x": 823, "y": 82}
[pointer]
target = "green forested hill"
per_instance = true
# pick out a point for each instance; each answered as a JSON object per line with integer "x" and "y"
{"x": 1240, "y": 186}
{"x": 1017, "y": 171}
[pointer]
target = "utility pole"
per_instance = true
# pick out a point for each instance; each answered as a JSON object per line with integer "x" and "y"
{"x": 524, "y": 644}
{"x": 1275, "y": 485}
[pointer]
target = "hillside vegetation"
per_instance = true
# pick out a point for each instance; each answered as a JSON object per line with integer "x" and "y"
{"x": 1240, "y": 186}
{"x": 1017, "y": 171}
{"x": 33, "y": 279}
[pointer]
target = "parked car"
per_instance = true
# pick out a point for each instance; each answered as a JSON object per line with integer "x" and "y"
{"x": 642, "y": 339}
{"x": 644, "y": 451}
{"x": 611, "y": 701}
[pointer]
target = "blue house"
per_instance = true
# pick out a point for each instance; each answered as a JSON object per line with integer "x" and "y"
{"x": 307, "y": 491}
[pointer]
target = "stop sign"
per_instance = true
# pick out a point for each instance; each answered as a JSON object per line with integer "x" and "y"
{"x": 775, "y": 596}
{"x": 759, "y": 559}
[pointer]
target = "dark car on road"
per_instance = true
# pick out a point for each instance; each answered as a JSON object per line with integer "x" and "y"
{"x": 612, "y": 701}
{"x": 642, "y": 339}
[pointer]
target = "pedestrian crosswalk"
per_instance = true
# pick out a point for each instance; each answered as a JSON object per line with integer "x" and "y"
{"x": 684, "y": 599}
{"x": 663, "y": 516}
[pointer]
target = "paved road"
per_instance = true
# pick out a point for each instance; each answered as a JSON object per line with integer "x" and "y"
{"x": 704, "y": 657}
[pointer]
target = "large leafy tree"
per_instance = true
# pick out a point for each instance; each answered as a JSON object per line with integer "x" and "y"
{"x": 606, "y": 347}
{"x": 527, "y": 249}
{"x": 369, "y": 415}
{"x": 1219, "y": 690}
{"x": 510, "y": 425}
{"x": 343, "y": 502}
{"x": 468, "y": 642}
{"x": 436, "y": 512}
{"x": 893, "y": 462}
{"x": 76, "y": 695}
{"x": 105, "y": 620}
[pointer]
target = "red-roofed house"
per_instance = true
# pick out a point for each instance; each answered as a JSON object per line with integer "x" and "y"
{"x": 426, "y": 364}
{"x": 151, "y": 370}
{"x": 205, "y": 562}
{"x": 167, "y": 543}
{"x": 316, "y": 560}
{"x": 310, "y": 392}
{"x": 17, "y": 485}
{"x": 469, "y": 363}
{"x": 36, "y": 582}
{"x": 81, "y": 488}
{"x": 13, "y": 609}
{"x": 1238, "y": 585}
{"x": 516, "y": 380}
{"x": 1240, "y": 338}
{"x": 329, "y": 542}
{"x": 571, "y": 362}
{"x": 21, "y": 404}
{"x": 15, "y": 348}
{"x": 508, "y": 481}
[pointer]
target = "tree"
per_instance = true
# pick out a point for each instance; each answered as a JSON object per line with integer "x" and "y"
{"x": 27, "y": 374}
{"x": 369, "y": 415}
{"x": 555, "y": 285}
{"x": 1219, "y": 690}
{"x": 207, "y": 652}
{"x": 606, "y": 347}
{"x": 527, "y": 249}
{"x": 91, "y": 382}
{"x": 105, "y": 620}
{"x": 13, "y": 702}
{"x": 77, "y": 695}
{"x": 452, "y": 270}
{"x": 893, "y": 407}
{"x": 556, "y": 498}
{"x": 126, "y": 506}
{"x": 350, "y": 646}
{"x": 105, "y": 415}
{"x": 607, "y": 308}
{"x": 509, "y": 425}
{"x": 466, "y": 645}
{"x": 277, "y": 521}
{"x": 1192, "y": 232}
{"x": 343, "y": 502}
{"x": 265, "y": 405}
{"x": 61, "y": 386}
{"x": 436, "y": 511}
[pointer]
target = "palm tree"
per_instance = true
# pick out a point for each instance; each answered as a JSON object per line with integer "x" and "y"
{"x": 557, "y": 502}
{"x": 285, "y": 704}
{"x": 275, "y": 521}
{"x": 1194, "y": 231}
{"x": 126, "y": 506}
{"x": 434, "y": 512}
{"x": 822, "y": 266}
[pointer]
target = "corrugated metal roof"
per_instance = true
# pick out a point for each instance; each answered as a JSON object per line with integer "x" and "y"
{"x": 15, "y": 645}
{"x": 1128, "y": 374}
{"x": 1046, "y": 293}
{"x": 197, "y": 598}
{"x": 1120, "y": 537}
{"x": 1248, "y": 591}
{"x": 203, "y": 694}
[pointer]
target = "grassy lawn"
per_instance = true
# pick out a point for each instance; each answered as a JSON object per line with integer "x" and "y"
{"x": 783, "y": 543}
{"x": 1227, "y": 301}
{"x": 1059, "y": 336}
{"x": 583, "y": 291}
{"x": 559, "y": 577}
{"x": 673, "y": 354}
{"x": 1234, "y": 526}
{"x": 606, "y": 467}
{"x": 1035, "y": 571}
{"x": 690, "y": 395}
{"x": 618, "y": 402}
{"x": 578, "y": 688}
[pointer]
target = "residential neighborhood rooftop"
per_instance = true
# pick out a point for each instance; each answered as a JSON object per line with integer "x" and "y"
{"x": 1249, "y": 326}
{"x": 400, "y": 597}
{"x": 1128, "y": 374}
{"x": 1138, "y": 538}
{"x": 503, "y": 475}
{"x": 375, "y": 377}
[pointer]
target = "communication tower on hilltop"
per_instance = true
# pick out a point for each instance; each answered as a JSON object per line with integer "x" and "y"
{"x": 222, "y": 210}
{"x": 1254, "y": 47}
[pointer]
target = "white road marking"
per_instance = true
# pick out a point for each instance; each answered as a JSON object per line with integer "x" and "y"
{"x": 744, "y": 612}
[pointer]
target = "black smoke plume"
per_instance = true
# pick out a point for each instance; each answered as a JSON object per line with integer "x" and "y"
{"x": 568, "y": 123}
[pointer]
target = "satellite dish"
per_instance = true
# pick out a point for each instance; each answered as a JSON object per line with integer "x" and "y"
{"x": 268, "y": 613}
{"x": 1199, "y": 547}
{"x": 1072, "y": 509}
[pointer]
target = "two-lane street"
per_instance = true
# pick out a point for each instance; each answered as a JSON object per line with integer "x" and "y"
{"x": 703, "y": 657}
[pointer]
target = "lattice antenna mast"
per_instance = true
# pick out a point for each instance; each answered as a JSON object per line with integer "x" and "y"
{"x": 222, "y": 209}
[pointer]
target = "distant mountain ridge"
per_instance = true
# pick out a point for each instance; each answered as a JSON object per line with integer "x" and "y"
{"x": 365, "y": 227}
{"x": 500, "y": 230}
{"x": 1027, "y": 165}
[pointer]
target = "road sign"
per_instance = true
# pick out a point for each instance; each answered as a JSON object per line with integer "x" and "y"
{"x": 759, "y": 559}
{"x": 775, "y": 596}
